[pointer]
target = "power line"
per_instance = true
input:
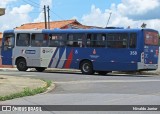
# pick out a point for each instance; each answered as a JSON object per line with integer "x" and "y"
{"x": 26, "y": 13}
{"x": 34, "y": 2}
{"x": 31, "y": 4}
{"x": 38, "y": 6}
{"x": 57, "y": 15}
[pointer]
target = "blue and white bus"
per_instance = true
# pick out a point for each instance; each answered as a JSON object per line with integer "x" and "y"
{"x": 90, "y": 50}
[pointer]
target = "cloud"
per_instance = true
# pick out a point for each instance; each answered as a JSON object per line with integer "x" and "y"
{"x": 15, "y": 17}
{"x": 40, "y": 18}
{"x": 128, "y": 13}
{"x": 96, "y": 17}
{"x": 139, "y": 9}
{"x": 46, "y": 2}
{"x": 3, "y": 3}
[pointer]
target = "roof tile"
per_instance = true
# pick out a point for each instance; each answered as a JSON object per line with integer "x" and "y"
{"x": 53, "y": 24}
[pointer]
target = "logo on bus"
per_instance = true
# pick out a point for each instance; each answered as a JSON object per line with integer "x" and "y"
{"x": 30, "y": 51}
{"x": 47, "y": 50}
{"x": 76, "y": 51}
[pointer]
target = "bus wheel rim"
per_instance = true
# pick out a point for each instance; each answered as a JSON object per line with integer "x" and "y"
{"x": 86, "y": 67}
{"x": 21, "y": 64}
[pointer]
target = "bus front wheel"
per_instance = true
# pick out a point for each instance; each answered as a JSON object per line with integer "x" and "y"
{"x": 21, "y": 65}
{"x": 40, "y": 69}
{"x": 86, "y": 68}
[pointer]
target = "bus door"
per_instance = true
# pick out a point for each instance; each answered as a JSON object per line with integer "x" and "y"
{"x": 151, "y": 48}
{"x": 7, "y": 47}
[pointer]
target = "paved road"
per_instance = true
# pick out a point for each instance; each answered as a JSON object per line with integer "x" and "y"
{"x": 78, "y": 89}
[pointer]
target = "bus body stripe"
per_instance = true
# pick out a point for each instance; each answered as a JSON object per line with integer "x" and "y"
{"x": 62, "y": 60}
{"x": 55, "y": 60}
{"x": 51, "y": 61}
{"x": 61, "y": 51}
{"x": 69, "y": 60}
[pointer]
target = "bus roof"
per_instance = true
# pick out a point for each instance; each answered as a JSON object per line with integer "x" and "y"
{"x": 47, "y": 31}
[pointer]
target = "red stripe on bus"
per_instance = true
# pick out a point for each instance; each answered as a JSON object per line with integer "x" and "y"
{"x": 69, "y": 60}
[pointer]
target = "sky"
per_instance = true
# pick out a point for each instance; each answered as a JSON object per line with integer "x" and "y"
{"x": 122, "y": 13}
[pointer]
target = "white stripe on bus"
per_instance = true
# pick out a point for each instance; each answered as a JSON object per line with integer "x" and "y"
{"x": 55, "y": 60}
{"x": 62, "y": 60}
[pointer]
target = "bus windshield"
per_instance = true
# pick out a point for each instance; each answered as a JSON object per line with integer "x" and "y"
{"x": 151, "y": 37}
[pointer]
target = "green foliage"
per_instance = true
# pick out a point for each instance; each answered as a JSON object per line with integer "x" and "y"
{"x": 27, "y": 92}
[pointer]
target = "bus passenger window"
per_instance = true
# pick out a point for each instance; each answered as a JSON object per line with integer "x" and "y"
{"x": 117, "y": 40}
{"x": 96, "y": 40}
{"x": 75, "y": 40}
{"x": 57, "y": 40}
{"x": 100, "y": 40}
{"x": 133, "y": 40}
{"x": 39, "y": 40}
{"x": 23, "y": 39}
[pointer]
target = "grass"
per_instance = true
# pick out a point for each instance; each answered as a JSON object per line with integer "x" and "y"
{"x": 26, "y": 92}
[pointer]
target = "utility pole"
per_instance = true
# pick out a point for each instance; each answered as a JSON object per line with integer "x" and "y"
{"x": 109, "y": 18}
{"x": 45, "y": 19}
{"x": 48, "y": 17}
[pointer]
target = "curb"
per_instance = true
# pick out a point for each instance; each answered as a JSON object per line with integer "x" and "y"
{"x": 50, "y": 88}
{"x": 39, "y": 90}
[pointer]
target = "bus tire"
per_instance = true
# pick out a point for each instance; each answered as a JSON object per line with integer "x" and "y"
{"x": 21, "y": 64}
{"x": 87, "y": 68}
{"x": 102, "y": 72}
{"x": 40, "y": 69}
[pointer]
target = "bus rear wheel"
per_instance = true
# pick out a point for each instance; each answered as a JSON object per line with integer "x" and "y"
{"x": 40, "y": 69}
{"x": 87, "y": 68}
{"x": 21, "y": 64}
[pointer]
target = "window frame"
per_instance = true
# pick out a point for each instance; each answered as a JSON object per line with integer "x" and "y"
{"x": 39, "y": 43}
{"x": 133, "y": 46}
{"x": 27, "y": 45}
{"x": 95, "y": 40}
{"x": 61, "y": 42}
{"x": 12, "y": 41}
{"x": 78, "y": 40}
{"x": 119, "y": 40}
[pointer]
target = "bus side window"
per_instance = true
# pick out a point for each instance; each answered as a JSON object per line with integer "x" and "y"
{"x": 23, "y": 39}
{"x": 75, "y": 40}
{"x": 91, "y": 40}
{"x": 39, "y": 40}
{"x": 100, "y": 40}
{"x": 57, "y": 40}
{"x": 117, "y": 40}
{"x": 110, "y": 40}
{"x": 70, "y": 40}
{"x": 133, "y": 40}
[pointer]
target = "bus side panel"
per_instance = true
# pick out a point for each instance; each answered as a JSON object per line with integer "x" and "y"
{"x": 31, "y": 54}
{"x": 103, "y": 59}
{"x": 116, "y": 59}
